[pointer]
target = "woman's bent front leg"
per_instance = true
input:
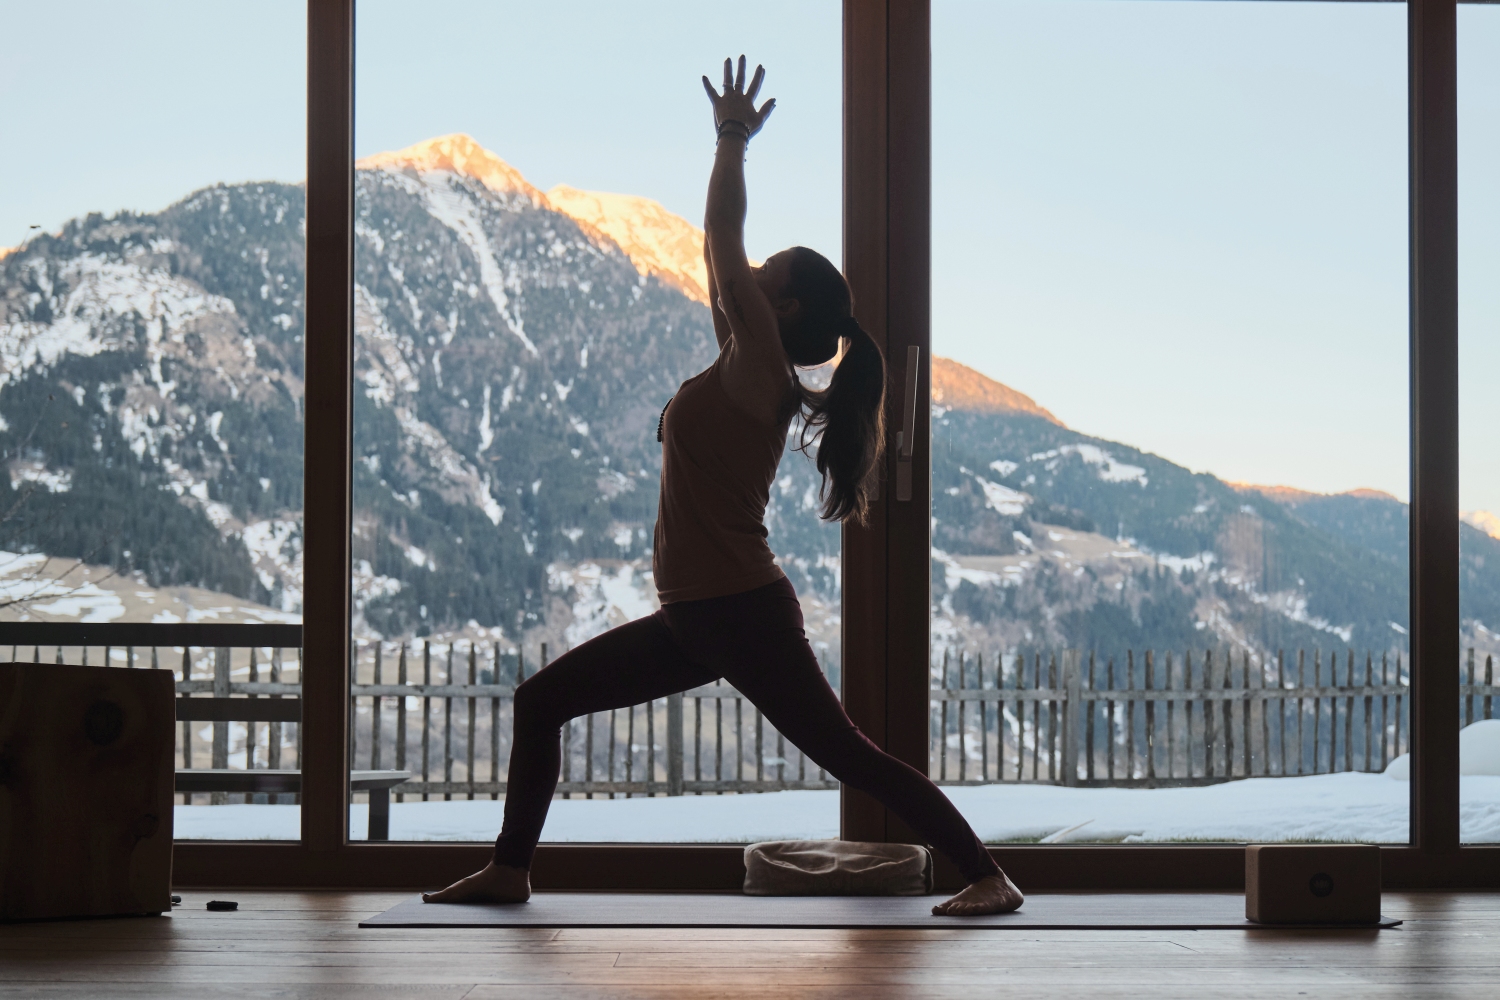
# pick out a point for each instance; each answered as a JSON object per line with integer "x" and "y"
{"x": 758, "y": 645}
{"x": 628, "y": 665}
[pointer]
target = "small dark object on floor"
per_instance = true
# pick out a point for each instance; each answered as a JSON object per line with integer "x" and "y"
{"x": 223, "y": 904}
{"x": 176, "y": 899}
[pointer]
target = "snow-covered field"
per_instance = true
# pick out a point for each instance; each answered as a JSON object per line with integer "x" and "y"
{"x": 1334, "y": 807}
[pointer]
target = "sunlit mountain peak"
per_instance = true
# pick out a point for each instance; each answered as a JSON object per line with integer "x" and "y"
{"x": 459, "y": 154}
{"x": 658, "y": 242}
{"x": 1293, "y": 495}
{"x": 1484, "y": 520}
{"x": 959, "y": 387}
{"x": 1280, "y": 494}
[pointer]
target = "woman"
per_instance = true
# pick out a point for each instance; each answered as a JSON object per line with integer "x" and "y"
{"x": 727, "y": 609}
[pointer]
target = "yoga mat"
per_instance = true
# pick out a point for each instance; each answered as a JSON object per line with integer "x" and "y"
{"x": 1082, "y": 911}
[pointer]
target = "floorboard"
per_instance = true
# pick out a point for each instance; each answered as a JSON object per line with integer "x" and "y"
{"x": 306, "y": 946}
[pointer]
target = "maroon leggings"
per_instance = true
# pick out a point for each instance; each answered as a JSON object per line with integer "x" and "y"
{"x": 754, "y": 641}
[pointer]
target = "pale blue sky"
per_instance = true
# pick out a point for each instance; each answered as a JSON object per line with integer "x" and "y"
{"x": 1177, "y": 224}
{"x": 1183, "y": 225}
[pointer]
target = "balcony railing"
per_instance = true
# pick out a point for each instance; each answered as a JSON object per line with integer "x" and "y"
{"x": 1158, "y": 719}
{"x": 443, "y": 710}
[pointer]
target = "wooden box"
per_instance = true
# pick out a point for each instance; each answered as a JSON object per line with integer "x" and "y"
{"x": 86, "y": 776}
{"x": 1312, "y": 883}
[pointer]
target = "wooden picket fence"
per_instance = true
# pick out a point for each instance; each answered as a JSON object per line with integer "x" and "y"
{"x": 1162, "y": 719}
{"x": 447, "y": 715}
{"x": 1147, "y": 718}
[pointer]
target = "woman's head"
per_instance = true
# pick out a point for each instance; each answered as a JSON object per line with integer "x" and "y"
{"x": 812, "y": 303}
{"x": 815, "y": 313}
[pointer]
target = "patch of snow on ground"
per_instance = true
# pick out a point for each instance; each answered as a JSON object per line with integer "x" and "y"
{"x": 1294, "y": 606}
{"x": 86, "y": 602}
{"x": 36, "y": 472}
{"x": 1111, "y": 470}
{"x": 602, "y": 598}
{"x": 954, "y": 574}
{"x": 1002, "y": 499}
{"x": 1177, "y": 564}
{"x": 100, "y": 290}
{"x": 23, "y": 579}
{"x": 369, "y": 586}
{"x": 382, "y": 351}
{"x": 453, "y": 208}
{"x": 1330, "y": 807}
{"x": 275, "y": 548}
{"x": 1478, "y": 752}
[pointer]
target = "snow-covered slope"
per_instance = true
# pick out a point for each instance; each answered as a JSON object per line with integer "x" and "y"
{"x": 458, "y": 154}
{"x": 659, "y": 243}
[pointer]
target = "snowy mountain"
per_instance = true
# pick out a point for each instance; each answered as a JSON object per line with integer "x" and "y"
{"x": 1046, "y": 537}
{"x": 511, "y": 364}
{"x": 513, "y": 350}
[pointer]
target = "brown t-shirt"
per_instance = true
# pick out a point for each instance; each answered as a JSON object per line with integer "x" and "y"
{"x": 717, "y": 466}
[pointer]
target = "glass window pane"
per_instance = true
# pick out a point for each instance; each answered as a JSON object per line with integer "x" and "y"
{"x": 1479, "y": 414}
{"x": 530, "y": 292}
{"x": 1170, "y": 438}
{"x": 151, "y": 360}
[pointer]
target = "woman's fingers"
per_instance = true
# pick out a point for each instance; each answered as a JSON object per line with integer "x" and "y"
{"x": 755, "y": 82}
{"x": 766, "y": 109}
{"x": 734, "y": 84}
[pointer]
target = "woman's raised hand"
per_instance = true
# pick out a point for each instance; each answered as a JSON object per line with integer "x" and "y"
{"x": 737, "y": 104}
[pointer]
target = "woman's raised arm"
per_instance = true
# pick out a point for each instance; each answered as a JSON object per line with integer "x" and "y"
{"x": 753, "y": 367}
{"x": 752, "y": 322}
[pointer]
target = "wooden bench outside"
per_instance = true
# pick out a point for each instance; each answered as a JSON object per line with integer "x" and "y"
{"x": 377, "y": 784}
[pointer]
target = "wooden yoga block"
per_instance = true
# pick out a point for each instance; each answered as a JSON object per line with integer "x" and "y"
{"x": 86, "y": 778}
{"x": 1312, "y": 883}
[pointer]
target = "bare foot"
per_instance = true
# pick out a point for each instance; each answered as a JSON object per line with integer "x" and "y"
{"x": 991, "y": 894}
{"x": 495, "y": 884}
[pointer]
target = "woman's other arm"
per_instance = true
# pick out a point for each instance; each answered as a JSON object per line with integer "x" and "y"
{"x": 721, "y": 322}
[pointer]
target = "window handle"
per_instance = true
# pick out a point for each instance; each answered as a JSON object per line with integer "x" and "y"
{"x": 906, "y": 437}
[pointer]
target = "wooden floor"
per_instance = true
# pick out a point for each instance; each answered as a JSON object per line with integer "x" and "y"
{"x": 296, "y": 945}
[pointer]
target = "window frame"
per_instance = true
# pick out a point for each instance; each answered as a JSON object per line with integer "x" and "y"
{"x": 886, "y": 582}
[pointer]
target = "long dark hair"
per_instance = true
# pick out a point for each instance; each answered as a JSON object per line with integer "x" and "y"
{"x": 847, "y": 419}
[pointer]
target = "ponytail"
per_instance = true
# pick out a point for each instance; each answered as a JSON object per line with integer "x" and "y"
{"x": 851, "y": 414}
{"x": 847, "y": 419}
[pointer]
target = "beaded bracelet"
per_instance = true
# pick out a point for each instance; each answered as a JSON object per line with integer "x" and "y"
{"x": 719, "y": 129}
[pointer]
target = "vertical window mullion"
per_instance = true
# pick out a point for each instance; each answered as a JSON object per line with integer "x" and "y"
{"x": 1435, "y": 640}
{"x": 329, "y": 351}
